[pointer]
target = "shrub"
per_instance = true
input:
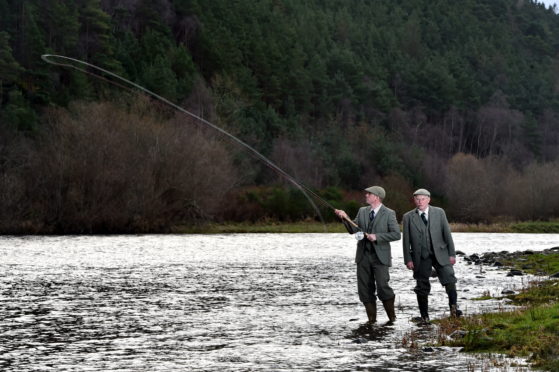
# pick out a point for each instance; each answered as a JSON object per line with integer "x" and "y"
{"x": 99, "y": 167}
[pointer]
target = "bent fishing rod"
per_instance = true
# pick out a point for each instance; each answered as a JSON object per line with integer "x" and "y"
{"x": 68, "y": 62}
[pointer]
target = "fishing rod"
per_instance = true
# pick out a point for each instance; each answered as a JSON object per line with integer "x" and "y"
{"x": 68, "y": 62}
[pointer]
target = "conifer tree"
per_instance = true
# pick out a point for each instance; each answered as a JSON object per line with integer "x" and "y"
{"x": 10, "y": 69}
{"x": 96, "y": 41}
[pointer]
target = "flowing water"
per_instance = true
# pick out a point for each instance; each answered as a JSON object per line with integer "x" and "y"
{"x": 237, "y": 302}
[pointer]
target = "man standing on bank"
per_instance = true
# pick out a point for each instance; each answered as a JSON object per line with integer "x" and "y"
{"x": 428, "y": 243}
{"x": 373, "y": 257}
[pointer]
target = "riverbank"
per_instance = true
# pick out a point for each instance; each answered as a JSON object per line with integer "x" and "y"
{"x": 336, "y": 227}
{"x": 264, "y": 227}
{"x": 531, "y": 331}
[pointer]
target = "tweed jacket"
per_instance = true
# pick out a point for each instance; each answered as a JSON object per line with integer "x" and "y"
{"x": 386, "y": 228}
{"x": 416, "y": 236}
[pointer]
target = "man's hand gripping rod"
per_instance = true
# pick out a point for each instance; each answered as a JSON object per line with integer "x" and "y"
{"x": 359, "y": 235}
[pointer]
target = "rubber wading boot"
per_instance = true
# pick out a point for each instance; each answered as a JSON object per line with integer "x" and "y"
{"x": 423, "y": 304}
{"x": 455, "y": 312}
{"x": 371, "y": 309}
{"x": 452, "y": 299}
{"x": 389, "y": 308}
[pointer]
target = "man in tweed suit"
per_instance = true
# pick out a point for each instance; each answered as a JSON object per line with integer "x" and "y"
{"x": 373, "y": 256}
{"x": 428, "y": 243}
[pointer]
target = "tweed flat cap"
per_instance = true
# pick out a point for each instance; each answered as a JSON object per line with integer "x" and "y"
{"x": 376, "y": 190}
{"x": 422, "y": 192}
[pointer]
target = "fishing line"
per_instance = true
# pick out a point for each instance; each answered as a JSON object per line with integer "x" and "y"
{"x": 69, "y": 62}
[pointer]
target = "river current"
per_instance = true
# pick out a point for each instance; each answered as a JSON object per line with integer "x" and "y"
{"x": 236, "y": 302}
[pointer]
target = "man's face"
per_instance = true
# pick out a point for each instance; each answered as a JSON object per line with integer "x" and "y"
{"x": 421, "y": 201}
{"x": 371, "y": 198}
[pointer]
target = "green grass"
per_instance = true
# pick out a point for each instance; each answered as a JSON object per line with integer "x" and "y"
{"x": 551, "y": 227}
{"x": 336, "y": 227}
{"x": 537, "y": 263}
{"x": 531, "y": 332}
{"x": 271, "y": 227}
{"x": 482, "y": 298}
{"x": 538, "y": 293}
{"x": 481, "y": 227}
{"x": 536, "y": 227}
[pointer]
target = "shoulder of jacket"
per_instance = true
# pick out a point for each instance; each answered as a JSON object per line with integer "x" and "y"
{"x": 409, "y": 213}
{"x": 384, "y": 207}
{"x": 437, "y": 209}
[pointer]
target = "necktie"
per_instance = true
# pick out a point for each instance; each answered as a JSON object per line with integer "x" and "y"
{"x": 372, "y": 215}
{"x": 424, "y": 218}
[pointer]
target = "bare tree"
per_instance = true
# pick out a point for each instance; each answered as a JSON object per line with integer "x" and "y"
{"x": 299, "y": 160}
{"x": 497, "y": 126}
{"x": 532, "y": 193}
{"x": 101, "y": 168}
{"x": 468, "y": 189}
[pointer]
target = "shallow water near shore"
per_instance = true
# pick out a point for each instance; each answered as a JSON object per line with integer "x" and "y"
{"x": 237, "y": 302}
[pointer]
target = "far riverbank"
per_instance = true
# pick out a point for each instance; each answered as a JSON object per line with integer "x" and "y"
{"x": 537, "y": 227}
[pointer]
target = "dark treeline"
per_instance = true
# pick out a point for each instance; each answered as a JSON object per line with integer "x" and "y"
{"x": 459, "y": 97}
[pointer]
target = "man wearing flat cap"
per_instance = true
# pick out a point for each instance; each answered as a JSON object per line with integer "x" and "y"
{"x": 428, "y": 244}
{"x": 373, "y": 256}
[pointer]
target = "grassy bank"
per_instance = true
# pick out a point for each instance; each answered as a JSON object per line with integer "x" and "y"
{"x": 335, "y": 227}
{"x": 270, "y": 227}
{"x": 531, "y": 331}
{"x": 537, "y": 263}
{"x": 536, "y": 227}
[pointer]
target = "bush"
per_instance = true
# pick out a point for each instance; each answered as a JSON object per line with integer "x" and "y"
{"x": 100, "y": 168}
{"x": 284, "y": 204}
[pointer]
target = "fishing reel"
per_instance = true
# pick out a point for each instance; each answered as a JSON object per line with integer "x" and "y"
{"x": 349, "y": 225}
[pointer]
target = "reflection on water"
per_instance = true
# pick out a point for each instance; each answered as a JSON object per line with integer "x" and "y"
{"x": 258, "y": 302}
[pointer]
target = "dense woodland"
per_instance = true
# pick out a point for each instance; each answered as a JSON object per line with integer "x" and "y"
{"x": 460, "y": 97}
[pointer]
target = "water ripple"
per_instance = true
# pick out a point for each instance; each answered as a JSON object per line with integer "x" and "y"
{"x": 235, "y": 302}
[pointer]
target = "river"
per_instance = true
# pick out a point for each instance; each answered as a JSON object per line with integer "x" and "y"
{"x": 236, "y": 302}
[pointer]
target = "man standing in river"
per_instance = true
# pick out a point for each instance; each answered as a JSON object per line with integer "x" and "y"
{"x": 373, "y": 256}
{"x": 428, "y": 243}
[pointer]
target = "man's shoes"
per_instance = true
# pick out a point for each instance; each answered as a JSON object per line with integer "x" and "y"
{"x": 455, "y": 312}
{"x": 423, "y": 304}
{"x": 422, "y": 320}
{"x": 371, "y": 309}
{"x": 389, "y": 308}
{"x": 452, "y": 299}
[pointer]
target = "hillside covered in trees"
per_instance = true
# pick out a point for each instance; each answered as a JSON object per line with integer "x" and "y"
{"x": 458, "y": 97}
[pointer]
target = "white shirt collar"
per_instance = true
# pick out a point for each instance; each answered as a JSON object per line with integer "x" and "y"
{"x": 426, "y": 211}
{"x": 376, "y": 209}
